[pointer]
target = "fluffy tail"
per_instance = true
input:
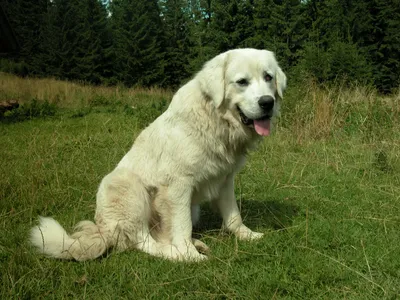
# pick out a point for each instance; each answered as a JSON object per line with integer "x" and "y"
{"x": 88, "y": 241}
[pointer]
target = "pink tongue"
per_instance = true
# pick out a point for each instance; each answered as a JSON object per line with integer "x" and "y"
{"x": 262, "y": 127}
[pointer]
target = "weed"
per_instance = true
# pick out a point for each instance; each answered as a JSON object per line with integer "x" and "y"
{"x": 30, "y": 110}
{"x": 382, "y": 162}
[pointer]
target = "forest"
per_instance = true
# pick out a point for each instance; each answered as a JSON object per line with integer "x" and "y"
{"x": 163, "y": 43}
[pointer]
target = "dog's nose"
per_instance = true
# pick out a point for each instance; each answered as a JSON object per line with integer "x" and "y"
{"x": 266, "y": 102}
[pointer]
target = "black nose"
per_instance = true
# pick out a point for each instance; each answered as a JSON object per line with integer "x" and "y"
{"x": 266, "y": 102}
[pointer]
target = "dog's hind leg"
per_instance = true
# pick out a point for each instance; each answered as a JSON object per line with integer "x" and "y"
{"x": 124, "y": 209}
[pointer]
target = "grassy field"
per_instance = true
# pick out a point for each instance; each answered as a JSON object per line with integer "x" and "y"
{"x": 324, "y": 188}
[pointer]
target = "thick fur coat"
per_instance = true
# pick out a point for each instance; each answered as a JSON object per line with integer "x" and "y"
{"x": 188, "y": 155}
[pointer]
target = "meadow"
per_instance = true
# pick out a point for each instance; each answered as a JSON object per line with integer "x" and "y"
{"x": 324, "y": 188}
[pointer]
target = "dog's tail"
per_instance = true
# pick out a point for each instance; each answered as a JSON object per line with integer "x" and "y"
{"x": 88, "y": 241}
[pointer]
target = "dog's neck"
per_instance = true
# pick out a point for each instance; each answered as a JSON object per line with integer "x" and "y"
{"x": 236, "y": 136}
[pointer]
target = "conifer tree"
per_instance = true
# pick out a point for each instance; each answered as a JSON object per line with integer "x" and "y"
{"x": 232, "y": 24}
{"x": 286, "y": 31}
{"x": 137, "y": 42}
{"x": 387, "y": 44}
{"x": 94, "y": 41}
{"x": 201, "y": 38}
{"x": 177, "y": 41}
{"x": 262, "y": 37}
{"x": 27, "y": 19}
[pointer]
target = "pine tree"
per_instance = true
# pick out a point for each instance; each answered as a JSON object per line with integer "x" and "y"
{"x": 48, "y": 49}
{"x": 387, "y": 44}
{"x": 137, "y": 42}
{"x": 201, "y": 38}
{"x": 27, "y": 19}
{"x": 286, "y": 31}
{"x": 331, "y": 52}
{"x": 262, "y": 22}
{"x": 177, "y": 42}
{"x": 94, "y": 41}
{"x": 232, "y": 24}
{"x": 67, "y": 31}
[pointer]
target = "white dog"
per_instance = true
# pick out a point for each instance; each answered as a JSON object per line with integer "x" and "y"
{"x": 188, "y": 155}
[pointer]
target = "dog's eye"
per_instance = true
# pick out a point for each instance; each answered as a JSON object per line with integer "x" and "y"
{"x": 242, "y": 82}
{"x": 267, "y": 77}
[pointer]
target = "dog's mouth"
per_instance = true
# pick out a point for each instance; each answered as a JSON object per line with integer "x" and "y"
{"x": 262, "y": 125}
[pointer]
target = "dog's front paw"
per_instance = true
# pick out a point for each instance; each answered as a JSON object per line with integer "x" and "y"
{"x": 189, "y": 252}
{"x": 192, "y": 257}
{"x": 200, "y": 246}
{"x": 256, "y": 235}
{"x": 244, "y": 233}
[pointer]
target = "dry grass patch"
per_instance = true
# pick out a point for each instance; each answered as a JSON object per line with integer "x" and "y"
{"x": 71, "y": 94}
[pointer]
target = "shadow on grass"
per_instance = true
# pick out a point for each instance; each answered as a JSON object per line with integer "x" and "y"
{"x": 256, "y": 214}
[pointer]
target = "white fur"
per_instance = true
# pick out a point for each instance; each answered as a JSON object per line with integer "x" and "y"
{"x": 188, "y": 155}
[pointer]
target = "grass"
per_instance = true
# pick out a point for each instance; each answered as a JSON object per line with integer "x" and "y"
{"x": 324, "y": 188}
{"x": 72, "y": 95}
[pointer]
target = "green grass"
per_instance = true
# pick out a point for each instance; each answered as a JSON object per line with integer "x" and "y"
{"x": 328, "y": 205}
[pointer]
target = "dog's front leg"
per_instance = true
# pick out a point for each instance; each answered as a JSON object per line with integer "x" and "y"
{"x": 180, "y": 197}
{"x": 232, "y": 221}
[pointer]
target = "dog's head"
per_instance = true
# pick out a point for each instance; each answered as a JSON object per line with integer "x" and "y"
{"x": 247, "y": 81}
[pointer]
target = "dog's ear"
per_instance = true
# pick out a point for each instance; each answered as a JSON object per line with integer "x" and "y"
{"x": 280, "y": 81}
{"x": 212, "y": 78}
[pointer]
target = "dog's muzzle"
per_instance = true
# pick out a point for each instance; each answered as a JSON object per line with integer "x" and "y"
{"x": 245, "y": 120}
{"x": 261, "y": 125}
{"x": 248, "y": 122}
{"x": 266, "y": 103}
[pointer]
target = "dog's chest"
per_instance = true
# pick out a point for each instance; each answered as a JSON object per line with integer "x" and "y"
{"x": 208, "y": 187}
{"x": 208, "y": 190}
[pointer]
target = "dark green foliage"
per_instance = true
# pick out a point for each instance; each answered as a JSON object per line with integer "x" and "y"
{"x": 33, "y": 109}
{"x": 176, "y": 30}
{"x": 341, "y": 62}
{"x": 137, "y": 42}
{"x": 143, "y": 113}
{"x": 27, "y": 20}
{"x": 382, "y": 162}
{"x": 201, "y": 34}
{"x": 286, "y": 27}
{"x": 146, "y": 113}
{"x": 93, "y": 64}
{"x": 360, "y": 32}
{"x": 83, "y": 40}
{"x": 66, "y": 39}
{"x": 232, "y": 24}
{"x": 347, "y": 62}
{"x": 150, "y": 42}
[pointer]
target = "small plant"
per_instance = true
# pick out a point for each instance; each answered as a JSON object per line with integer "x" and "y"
{"x": 99, "y": 100}
{"x": 382, "y": 163}
{"x": 146, "y": 113}
{"x": 79, "y": 113}
{"x": 33, "y": 109}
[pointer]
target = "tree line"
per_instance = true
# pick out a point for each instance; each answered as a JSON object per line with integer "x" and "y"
{"x": 150, "y": 42}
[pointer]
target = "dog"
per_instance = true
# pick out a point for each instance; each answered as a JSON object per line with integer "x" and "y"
{"x": 188, "y": 155}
